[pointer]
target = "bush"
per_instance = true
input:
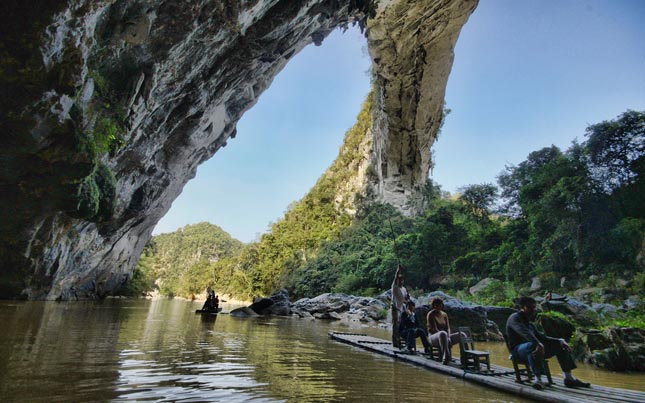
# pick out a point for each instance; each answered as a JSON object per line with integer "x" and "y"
{"x": 633, "y": 318}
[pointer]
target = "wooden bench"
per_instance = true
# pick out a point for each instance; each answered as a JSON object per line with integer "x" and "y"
{"x": 526, "y": 371}
{"x": 471, "y": 357}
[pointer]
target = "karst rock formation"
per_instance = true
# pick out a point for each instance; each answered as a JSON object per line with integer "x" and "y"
{"x": 109, "y": 107}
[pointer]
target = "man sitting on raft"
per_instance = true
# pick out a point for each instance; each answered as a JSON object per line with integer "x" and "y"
{"x": 529, "y": 345}
{"x": 410, "y": 329}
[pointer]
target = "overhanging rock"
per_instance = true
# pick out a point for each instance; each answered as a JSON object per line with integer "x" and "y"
{"x": 112, "y": 106}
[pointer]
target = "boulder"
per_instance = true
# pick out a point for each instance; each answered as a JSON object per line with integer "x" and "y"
{"x": 632, "y": 302}
{"x": 587, "y": 294}
{"x": 580, "y": 312}
{"x": 475, "y": 318}
{"x": 615, "y": 349}
{"x": 281, "y": 305}
{"x": 302, "y": 314}
{"x": 260, "y": 304}
{"x": 328, "y": 302}
{"x": 536, "y": 284}
{"x": 606, "y": 310}
{"x": 338, "y": 306}
{"x": 368, "y": 309}
{"x": 462, "y": 314}
{"x": 276, "y": 304}
{"x": 499, "y": 315}
{"x": 244, "y": 312}
{"x": 385, "y": 297}
{"x": 555, "y": 326}
{"x": 477, "y": 288}
{"x": 331, "y": 315}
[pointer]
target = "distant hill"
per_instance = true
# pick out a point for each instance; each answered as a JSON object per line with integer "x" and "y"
{"x": 178, "y": 262}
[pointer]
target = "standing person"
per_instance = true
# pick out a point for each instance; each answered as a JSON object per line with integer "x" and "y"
{"x": 399, "y": 298}
{"x": 410, "y": 329}
{"x": 531, "y": 346}
{"x": 439, "y": 329}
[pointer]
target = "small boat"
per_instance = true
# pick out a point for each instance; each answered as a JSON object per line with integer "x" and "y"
{"x": 207, "y": 312}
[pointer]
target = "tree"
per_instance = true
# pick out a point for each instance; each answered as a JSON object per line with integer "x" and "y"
{"x": 479, "y": 199}
{"x": 616, "y": 149}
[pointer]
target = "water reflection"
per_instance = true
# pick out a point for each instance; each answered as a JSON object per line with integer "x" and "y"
{"x": 124, "y": 351}
{"x": 52, "y": 351}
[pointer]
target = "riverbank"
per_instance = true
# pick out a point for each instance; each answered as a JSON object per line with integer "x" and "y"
{"x": 608, "y": 347}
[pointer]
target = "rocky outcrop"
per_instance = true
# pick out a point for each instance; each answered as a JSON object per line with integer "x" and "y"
{"x": 463, "y": 314}
{"x": 109, "y": 107}
{"x": 499, "y": 315}
{"x": 411, "y": 43}
{"x": 556, "y": 326}
{"x": 580, "y": 312}
{"x": 615, "y": 349}
{"x": 337, "y": 306}
{"x": 480, "y": 286}
{"x": 276, "y": 304}
{"x": 329, "y": 306}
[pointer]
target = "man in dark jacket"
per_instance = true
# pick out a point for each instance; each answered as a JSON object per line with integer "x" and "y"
{"x": 410, "y": 329}
{"x": 531, "y": 346}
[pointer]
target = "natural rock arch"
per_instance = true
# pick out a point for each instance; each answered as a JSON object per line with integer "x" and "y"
{"x": 164, "y": 84}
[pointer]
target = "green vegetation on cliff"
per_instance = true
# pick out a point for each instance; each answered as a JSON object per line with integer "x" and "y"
{"x": 572, "y": 214}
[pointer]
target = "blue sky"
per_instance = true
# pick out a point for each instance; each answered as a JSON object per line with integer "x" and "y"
{"x": 527, "y": 74}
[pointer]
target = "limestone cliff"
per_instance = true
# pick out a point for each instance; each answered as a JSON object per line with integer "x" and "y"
{"x": 109, "y": 106}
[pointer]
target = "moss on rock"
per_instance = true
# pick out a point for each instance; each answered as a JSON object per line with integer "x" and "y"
{"x": 95, "y": 195}
{"x": 106, "y": 184}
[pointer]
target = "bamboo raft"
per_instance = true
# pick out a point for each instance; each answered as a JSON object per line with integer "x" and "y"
{"x": 498, "y": 377}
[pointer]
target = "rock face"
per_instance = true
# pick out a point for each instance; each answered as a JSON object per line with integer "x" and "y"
{"x": 615, "y": 349}
{"x": 411, "y": 43}
{"x": 108, "y": 108}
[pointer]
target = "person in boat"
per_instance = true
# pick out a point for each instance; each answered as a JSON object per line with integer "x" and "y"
{"x": 410, "y": 329}
{"x": 212, "y": 302}
{"x": 400, "y": 297}
{"x": 529, "y": 345}
{"x": 439, "y": 330}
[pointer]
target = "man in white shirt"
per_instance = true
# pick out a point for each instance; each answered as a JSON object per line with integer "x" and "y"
{"x": 400, "y": 297}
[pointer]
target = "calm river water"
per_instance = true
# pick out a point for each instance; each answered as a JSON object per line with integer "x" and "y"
{"x": 160, "y": 351}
